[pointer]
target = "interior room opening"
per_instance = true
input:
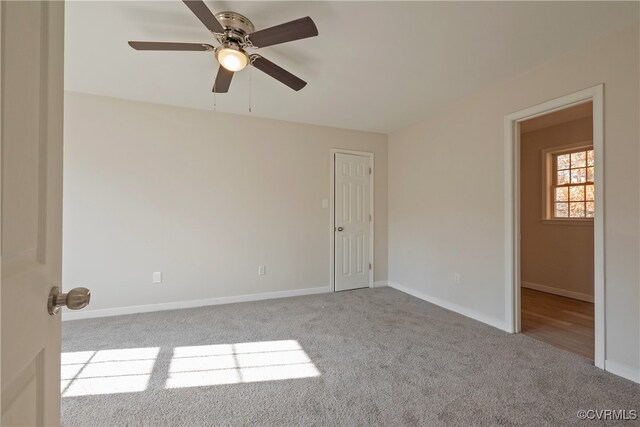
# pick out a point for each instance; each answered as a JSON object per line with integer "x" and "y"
{"x": 557, "y": 209}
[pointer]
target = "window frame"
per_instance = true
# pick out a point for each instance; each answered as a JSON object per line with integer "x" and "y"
{"x": 549, "y": 169}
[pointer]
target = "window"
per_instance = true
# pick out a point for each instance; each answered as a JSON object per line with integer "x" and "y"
{"x": 572, "y": 184}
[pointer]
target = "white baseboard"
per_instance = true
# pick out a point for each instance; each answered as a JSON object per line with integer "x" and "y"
{"x": 615, "y": 368}
{"x": 556, "y": 291}
{"x": 107, "y": 312}
{"x": 496, "y": 323}
{"x": 380, "y": 284}
{"x": 622, "y": 370}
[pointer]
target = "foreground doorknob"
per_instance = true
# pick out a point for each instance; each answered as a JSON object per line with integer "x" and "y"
{"x": 340, "y": 228}
{"x": 75, "y": 299}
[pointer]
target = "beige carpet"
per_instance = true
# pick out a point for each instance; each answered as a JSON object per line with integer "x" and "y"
{"x": 366, "y": 357}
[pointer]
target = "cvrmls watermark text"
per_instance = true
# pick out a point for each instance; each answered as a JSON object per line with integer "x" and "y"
{"x": 608, "y": 414}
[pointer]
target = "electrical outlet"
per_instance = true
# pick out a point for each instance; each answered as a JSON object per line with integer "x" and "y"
{"x": 262, "y": 270}
{"x": 325, "y": 203}
{"x": 157, "y": 277}
{"x": 456, "y": 278}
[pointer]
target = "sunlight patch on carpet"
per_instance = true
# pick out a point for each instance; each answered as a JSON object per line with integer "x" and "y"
{"x": 198, "y": 366}
{"x": 127, "y": 370}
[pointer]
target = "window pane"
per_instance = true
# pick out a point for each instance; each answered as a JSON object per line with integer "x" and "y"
{"x": 561, "y": 210}
{"x": 579, "y": 160}
{"x": 576, "y": 193}
{"x": 563, "y": 177}
{"x": 590, "y": 158}
{"x": 576, "y": 210}
{"x": 591, "y": 209}
{"x": 562, "y": 161}
{"x": 590, "y": 192}
{"x": 590, "y": 174}
{"x": 562, "y": 194}
{"x": 578, "y": 175}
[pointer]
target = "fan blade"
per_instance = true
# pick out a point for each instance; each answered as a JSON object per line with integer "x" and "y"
{"x": 287, "y": 32}
{"x": 203, "y": 47}
{"x": 278, "y": 73}
{"x": 223, "y": 80}
{"x": 205, "y": 16}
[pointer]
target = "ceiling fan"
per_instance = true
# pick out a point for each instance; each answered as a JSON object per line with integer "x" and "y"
{"x": 236, "y": 33}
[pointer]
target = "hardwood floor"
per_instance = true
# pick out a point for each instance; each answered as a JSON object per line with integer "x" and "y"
{"x": 562, "y": 322}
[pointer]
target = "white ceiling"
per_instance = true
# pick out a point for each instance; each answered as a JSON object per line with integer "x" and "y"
{"x": 375, "y": 66}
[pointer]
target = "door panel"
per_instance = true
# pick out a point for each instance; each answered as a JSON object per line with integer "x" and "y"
{"x": 31, "y": 212}
{"x": 17, "y": 400}
{"x": 352, "y": 221}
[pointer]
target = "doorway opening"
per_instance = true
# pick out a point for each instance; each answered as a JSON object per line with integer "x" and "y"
{"x": 557, "y": 206}
{"x": 555, "y": 227}
{"x": 351, "y": 224}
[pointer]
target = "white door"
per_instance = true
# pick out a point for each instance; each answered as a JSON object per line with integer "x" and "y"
{"x": 352, "y": 213}
{"x": 31, "y": 214}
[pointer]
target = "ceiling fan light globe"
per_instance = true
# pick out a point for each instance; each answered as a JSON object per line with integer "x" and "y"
{"x": 232, "y": 59}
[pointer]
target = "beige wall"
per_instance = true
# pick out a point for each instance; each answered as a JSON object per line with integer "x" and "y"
{"x": 203, "y": 197}
{"x": 447, "y": 191}
{"x": 554, "y": 255}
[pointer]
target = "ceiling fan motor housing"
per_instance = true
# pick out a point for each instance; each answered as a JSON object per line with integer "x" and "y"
{"x": 236, "y": 27}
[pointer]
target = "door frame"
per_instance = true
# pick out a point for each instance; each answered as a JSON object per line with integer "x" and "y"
{"x": 512, "y": 122}
{"x": 332, "y": 219}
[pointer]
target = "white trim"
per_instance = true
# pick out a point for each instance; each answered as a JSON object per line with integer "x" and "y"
{"x": 512, "y": 207}
{"x": 332, "y": 234}
{"x": 622, "y": 370}
{"x": 480, "y": 317}
{"x": 588, "y": 222}
{"x": 380, "y": 284}
{"x": 557, "y": 291}
{"x": 107, "y": 312}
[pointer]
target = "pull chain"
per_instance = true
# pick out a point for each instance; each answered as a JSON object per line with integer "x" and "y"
{"x": 214, "y": 97}
{"x": 250, "y": 81}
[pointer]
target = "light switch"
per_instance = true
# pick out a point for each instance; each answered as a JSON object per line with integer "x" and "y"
{"x": 157, "y": 277}
{"x": 325, "y": 203}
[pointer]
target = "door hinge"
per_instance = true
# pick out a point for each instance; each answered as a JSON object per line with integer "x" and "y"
{"x": 369, "y": 171}
{"x": 369, "y": 266}
{"x": 369, "y": 217}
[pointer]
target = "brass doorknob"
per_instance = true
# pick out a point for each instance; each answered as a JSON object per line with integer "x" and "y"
{"x": 75, "y": 299}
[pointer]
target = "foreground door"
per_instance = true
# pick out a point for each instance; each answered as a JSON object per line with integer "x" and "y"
{"x": 31, "y": 214}
{"x": 352, "y": 221}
